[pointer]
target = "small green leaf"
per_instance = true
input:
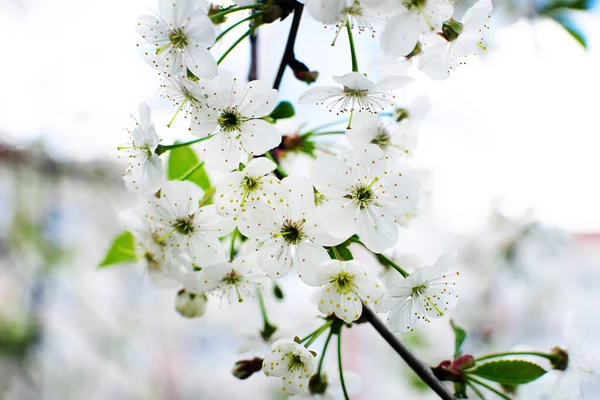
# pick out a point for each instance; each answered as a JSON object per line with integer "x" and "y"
{"x": 285, "y": 109}
{"x": 181, "y": 161}
{"x": 509, "y": 372}
{"x": 121, "y": 250}
{"x": 459, "y": 337}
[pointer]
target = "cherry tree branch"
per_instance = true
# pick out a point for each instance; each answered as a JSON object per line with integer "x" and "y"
{"x": 423, "y": 370}
{"x": 288, "y": 53}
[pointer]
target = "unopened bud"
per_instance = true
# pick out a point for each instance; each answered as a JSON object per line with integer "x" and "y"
{"x": 244, "y": 369}
{"x": 190, "y": 305}
{"x": 560, "y": 359}
{"x": 317, "y": 384}
{"x": 451, "y": 29}
{"x": 463, "y": 362}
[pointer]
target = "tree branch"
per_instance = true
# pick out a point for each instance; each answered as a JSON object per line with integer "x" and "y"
{"x": 421, "y": 369}
{"x": 288, "y": 53}
{"x": 253, "y": 71}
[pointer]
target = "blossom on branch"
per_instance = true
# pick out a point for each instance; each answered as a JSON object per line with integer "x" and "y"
{"x": 177, "y": 39}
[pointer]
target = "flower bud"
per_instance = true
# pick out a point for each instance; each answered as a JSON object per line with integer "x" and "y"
{"x": 245, "y": 368}
{"x": 190, "y": 305}
{"x": 463, "y": 362}
{"x": 317, "y": 384}
{"x": 451, "y": 29}
{"x": 560, "y": 359}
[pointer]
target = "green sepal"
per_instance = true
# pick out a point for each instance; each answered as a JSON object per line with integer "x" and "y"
{"x": 284, "y": 109}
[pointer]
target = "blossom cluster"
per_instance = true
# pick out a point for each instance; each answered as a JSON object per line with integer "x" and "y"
{"x": 255, "y": 223}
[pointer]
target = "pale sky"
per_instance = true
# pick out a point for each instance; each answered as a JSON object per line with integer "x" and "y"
{"x": 519, "y": 122}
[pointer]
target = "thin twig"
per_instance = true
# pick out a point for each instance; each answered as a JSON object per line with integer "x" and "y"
{"x": 421, "y": 369}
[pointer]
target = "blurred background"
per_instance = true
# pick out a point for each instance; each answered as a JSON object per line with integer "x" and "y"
{"x": 508, "y": 152}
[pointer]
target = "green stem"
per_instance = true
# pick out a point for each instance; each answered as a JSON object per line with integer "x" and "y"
{"x": 352, "y": 49}
{"x": 488, "y": 387}
{"x": 176, "y": 113}
{"x": 232, "y": 9}
{"x": 278, "y": 167}
{"x": 263, "y": 309}
{"x": 385, "y": 260}
{"x": 515, "y": 353}
{"x": 327, "y": 125}
{"x": 207, "y": 195}
{"x": 233, "y": 46}
{"x": 232, "y": 246}
{"x": 477, "y": 391}
{"x": 316, "y": 333}
{"x": 191, "y": 171}
{"x": 323, "y": 352}
{"x": 329, "y": 133}
{"x": 342, "y": 382}
{"x": 160, "y": 149}
{"x": 251, "y": 16}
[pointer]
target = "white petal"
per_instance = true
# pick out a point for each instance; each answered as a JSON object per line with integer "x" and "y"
{"x": 259, "y": 136}
{"x": 376, "y": 229}
{"x": 261, "y": 221}
{"x": 260, "y": 166}
{"x": 275, "y": 258}
{"x": 300, "y": 197}
{"x": 478, "y": 15}
{"x": 328, "y": 11}
{"x": 340, "y": 218}
{"x": 331, "y": 176}
{"x": 318, "y": 94}
{"x": 199, "y": 60}
{"x": 401, "y": 33}
{"x": 355, "y": 80}
{"x": 309, "y": 256}
{"x": 256, "y": 100}
{"x": 223, "y": 152}
{"x": 200, "y": 29}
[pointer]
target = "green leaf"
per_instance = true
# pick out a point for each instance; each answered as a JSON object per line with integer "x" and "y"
{"x": 509, "y": 372}
{"x": 459, "y": 337}
{"x": 121, "y": 250}
{"x": 285, "y": 109}
{"x": 181, "y": 161}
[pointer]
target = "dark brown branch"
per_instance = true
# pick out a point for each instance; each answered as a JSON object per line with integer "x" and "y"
{"x": 288, "y": 54}
{"x": 253, "y": 71}
{"x": 423, "y": 370}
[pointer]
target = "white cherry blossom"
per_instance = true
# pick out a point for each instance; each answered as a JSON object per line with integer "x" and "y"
{"x": 234, "y": 110}
{"x": 426, "y": 293}
{"x": 357, "y": 93}
{"x": 233, "y": 280}
{"x": 164, "y": 268}
{"x": 395, "y": 139}
{"x": 460, "y": 40}
{"x": 413, "y": 19}
{"x": 290, "y": 232}
{"x": 145, "y": 171}
{"x": 364, "y": 197}
{"x": 345, "y": 288}
{"x": 293, "y": 363}
{"x": 178, "y": 38}
{"x": 182, "y": 225}
{"x": 255, "y": 183}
